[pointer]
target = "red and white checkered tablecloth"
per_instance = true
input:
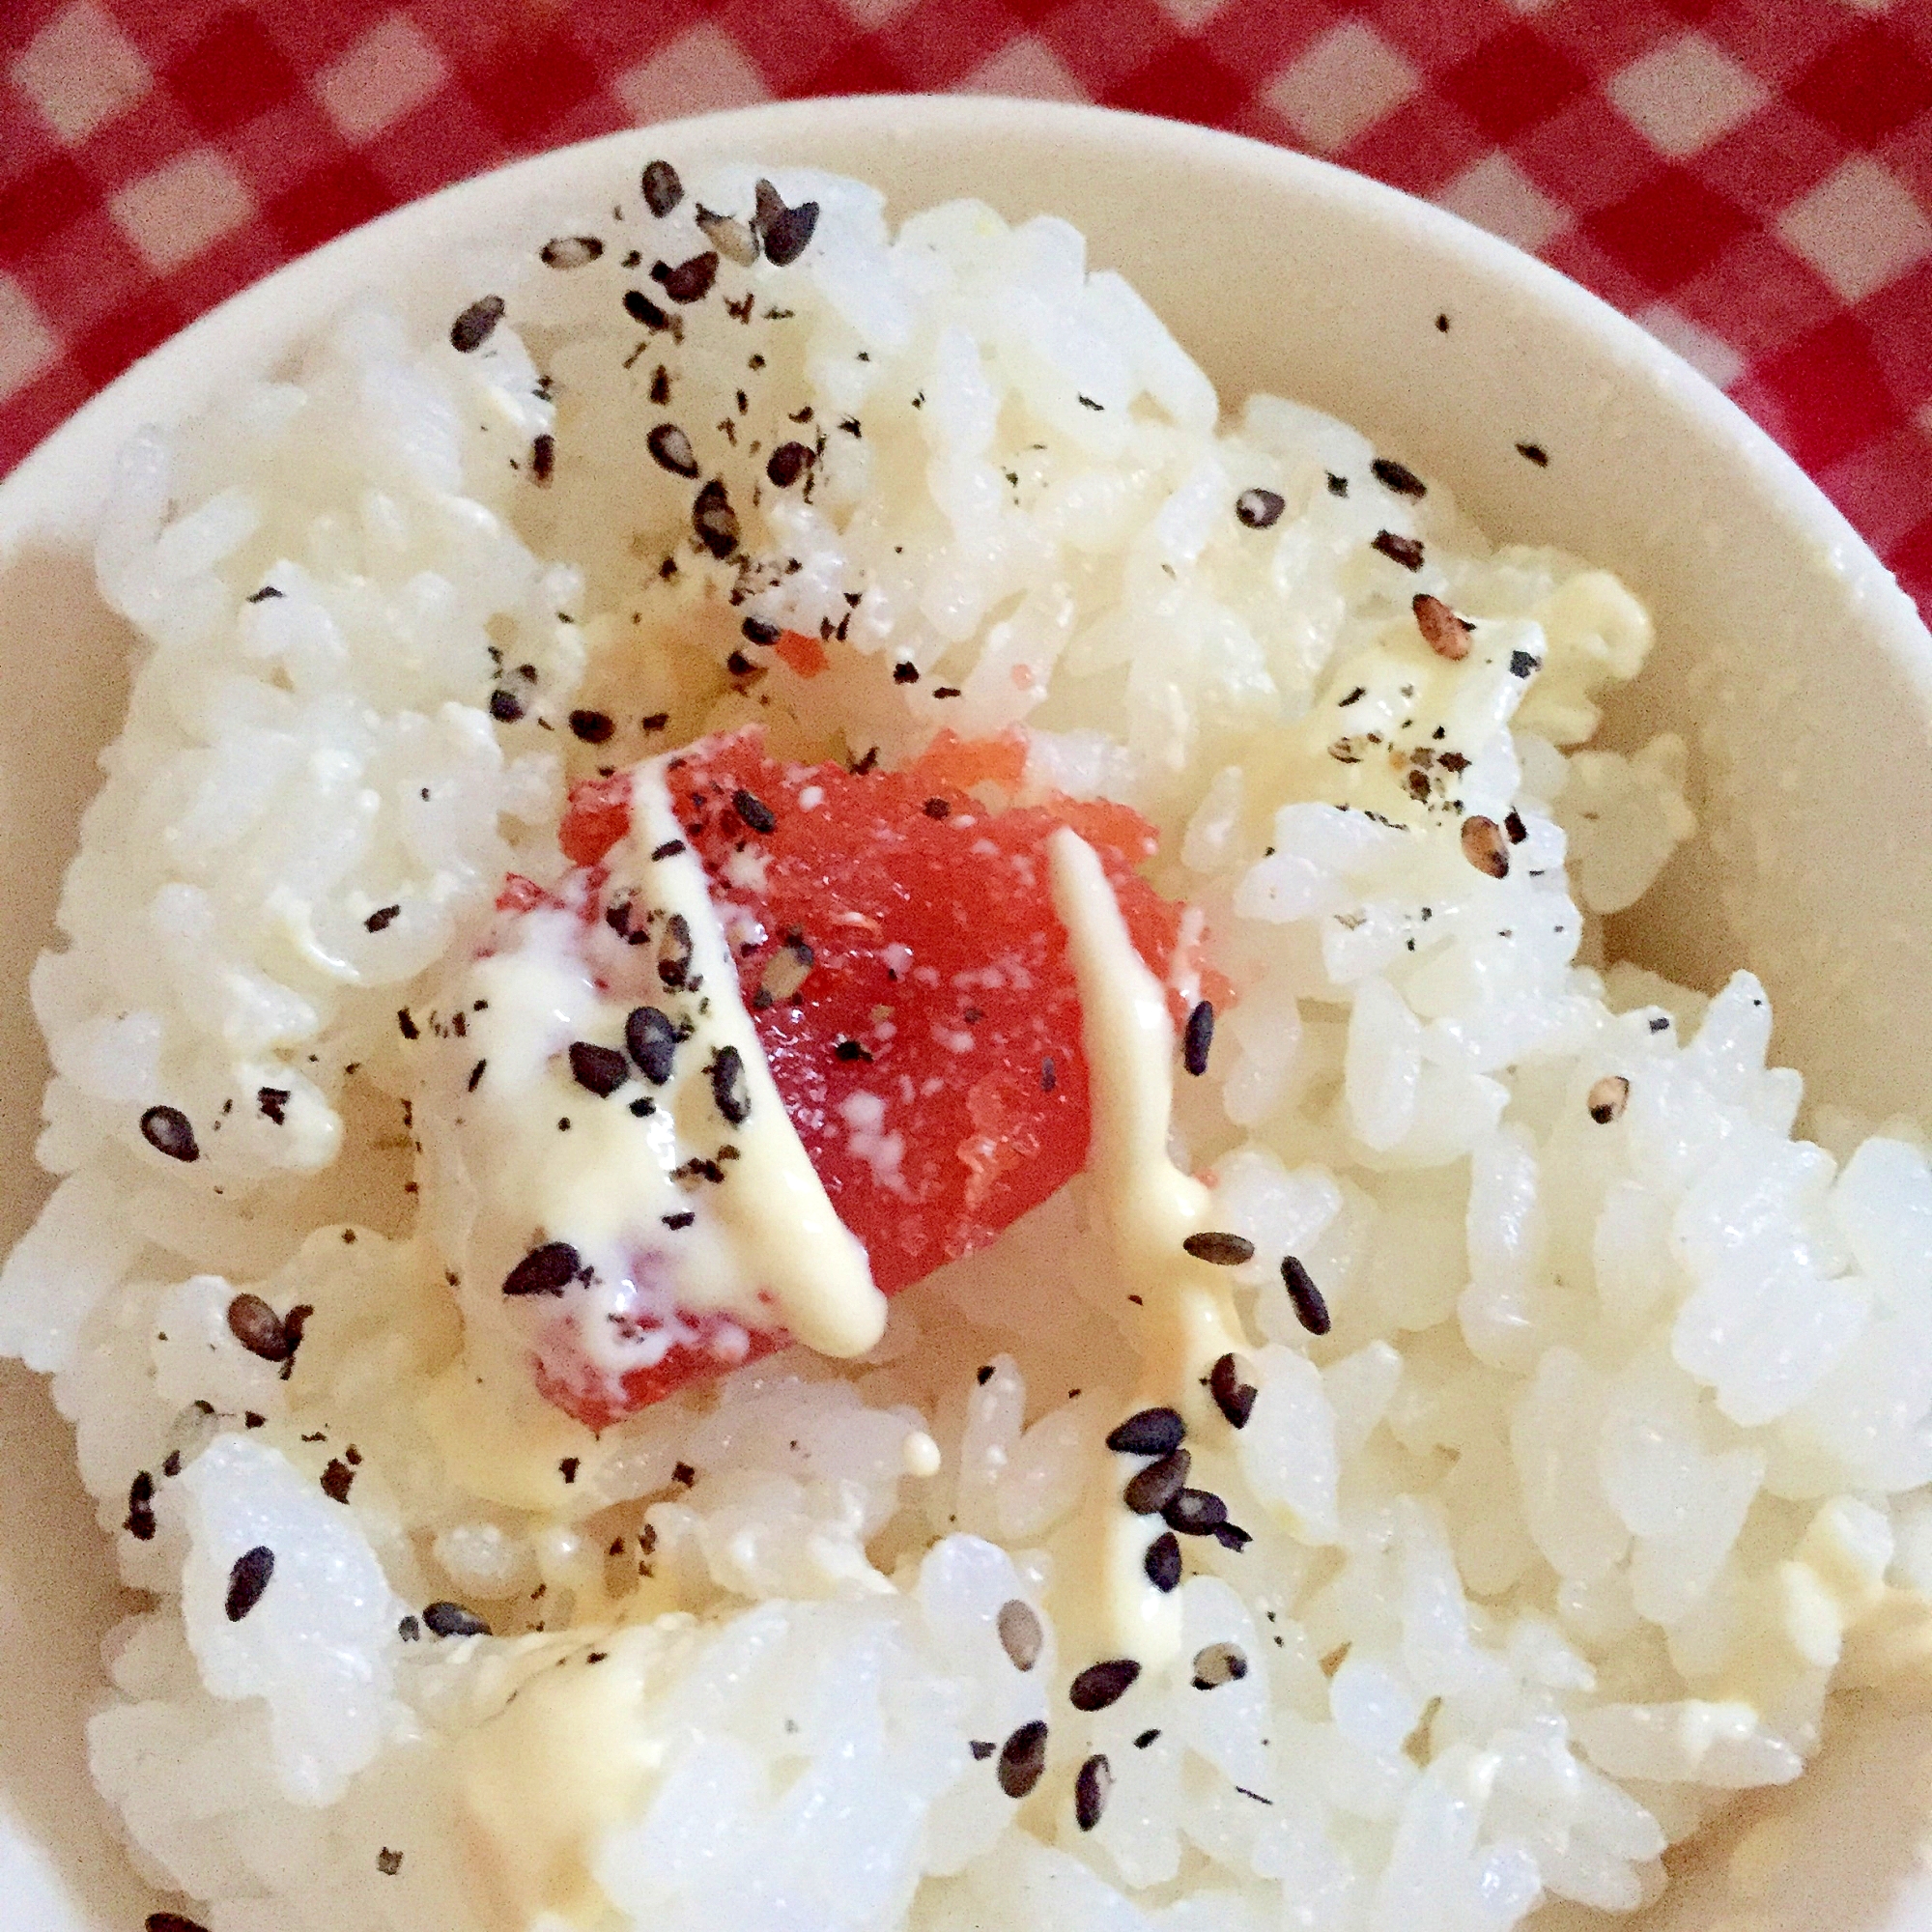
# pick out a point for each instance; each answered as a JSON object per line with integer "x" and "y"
{"x": 1750, "y": 178}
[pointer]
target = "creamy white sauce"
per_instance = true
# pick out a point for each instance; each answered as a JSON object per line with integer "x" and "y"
{"x": 1184, "y": 1319}
{"x": 690, "y": 1226}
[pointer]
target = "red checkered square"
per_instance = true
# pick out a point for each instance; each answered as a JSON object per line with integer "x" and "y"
{"x": 1752, "y": 178}
{"x": 231, "y": 73}
{"x": 1514, "y": 81}
{"x": 1871, "y": 84}
{"x": 1667, "y": 230}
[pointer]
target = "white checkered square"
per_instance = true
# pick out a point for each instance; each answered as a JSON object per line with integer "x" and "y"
{"x": 172, "y": 214}
{"x": 1190, "y": 15}
{"x": 874, "y": 14}
{"x": 81, "y": 69}
{"x": 392, "y": 68}
{"x": 1344, "y": 82}
{"x": 1859, "y": 228}
{"x": 1028, "y": 68}
{"x": 26, "y": 344}
{"x": 1495, "y": 194}
{"x": 1683, "y": 95}
{"x": 699, "y": 72}
{"x": 1715, "y": 361}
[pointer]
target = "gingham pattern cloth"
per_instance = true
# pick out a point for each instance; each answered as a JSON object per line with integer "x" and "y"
{"x": 1750, "y": 178}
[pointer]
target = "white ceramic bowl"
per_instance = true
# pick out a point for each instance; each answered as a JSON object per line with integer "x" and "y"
{"x": 1787, "y": 656}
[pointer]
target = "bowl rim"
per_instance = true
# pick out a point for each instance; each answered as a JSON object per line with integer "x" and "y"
{"x": 329, "y": 272}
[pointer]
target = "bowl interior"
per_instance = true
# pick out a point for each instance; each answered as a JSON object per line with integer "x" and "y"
{"x": 1787, "y": 657}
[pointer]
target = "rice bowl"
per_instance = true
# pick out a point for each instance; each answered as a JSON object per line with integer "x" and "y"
{"x": 1552, "y": 628}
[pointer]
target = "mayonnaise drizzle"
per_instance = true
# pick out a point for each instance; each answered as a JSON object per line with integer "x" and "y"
{"x": 1185, "y": 1319}
{"x": 695, "y": 1227}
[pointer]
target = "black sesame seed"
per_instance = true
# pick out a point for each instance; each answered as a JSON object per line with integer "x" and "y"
{"x": 505, "y": 706}
{"x": 850, "y": 1050}
{"x": 714, "y": 520}
{"x": 388, "y": 1862}
{"x": 1216, "y": 1664}
{"x": 263, "y": 595}
{"x": 1513, "y": 824}
{"x": 247, "y": 1577}
{"x": 168, "y": 1130}
{"x": 683, "y": 1474}
{"x": 1524, "y": 664}
{"x": 676, "y": 1221}
{"x": 1234, "y": 1394}
{"x": 140, "y": 1524}
{"x": 445, "y": 1619}
{"x": 982, "y": 1749}
{"x": 784, "y": 231}
{"x": 1023, "y": 1759}
{"x": 1338, "y": 486}
{"x": 936, "y": 808}
{"x": 1162, "y": 1562}
{"x": 670, "y": 849}
{"x": 1221, "y": 1248}
{"x": 1198, "y": 1039}
{"x": 758, "y": 631}
{"x": 1100, "y": 1685}
{"x": 1091, "y": 1787}
{"x": 1156, "y": 1486}
{"x": 1195, "y": 1513}
{"x": 172, "y": 1921}
{"x": 410, "y": 1631}
{"x": 652, "y": 1040}
{"x": 1150, "y": 1431}
{"x": 1534, "y": 452}
{"x": 409, "y": 1027}
{"x": 258, "y": 1328}
{"x": 336, "y": 1479}
{"x": 1259, "y": 509}
{"x": 671, "y": 449}
{"x": 603, "y": 1069}
{"x": 571, "y": 251}
{"x": 1310, "y": 1309}
{"x": 663, "y": 190}
{"x": 1405, "y": 551}
{"x": 1021, "y": 1637}
{"x": 904, "y": 672}
{"x": 472, "y": 329}
{"x": 983, "y": 1374}
{"x": 1397, "y": 477}
{"x": 674, "y": 953}
{"x": 729, "y": 1090}
{"x": 1608, "y": 1098}
{"x": 690, "y": 281}
{"x": 475, "y": 1076}
{"x": 640, "y": 307}
{"x": 380, "y": 919}
{"x": 788, "y": 462}
{"x": 1050, "y": 1076}
{"x": 753, "y": 811}
{"x": 1144, "y": 1739}
{"x": 543, "y": 457}
{"x": 594, "y": 728}
{"x": 545, "y": 1271}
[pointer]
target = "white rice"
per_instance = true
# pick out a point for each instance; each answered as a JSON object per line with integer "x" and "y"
{"x": 1612, "y": 1456}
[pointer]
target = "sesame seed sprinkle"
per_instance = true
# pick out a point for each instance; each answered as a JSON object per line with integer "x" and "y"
{"x": 1219, "y": 1247}
{"x": 1023, "y": 1759}
{"x": 1234, "y": 1394}
{"x": 1104, "y": 1684}
{"x": 1310, "y": 1309}
{"x": 1021, "y": 1637}
{"x": 169, "y": 1131}
{"x": 446, "y": 1619}
{"x": 1608, "y": 1099}
{"x": 1162, "y": 1562}
{"x": 1197, "y": 1039}
{"x": 1095, "y": 1779}
{"x": 1156, "y": 1486}
{"x": 1149, "y": 1432}
{"x": 1486, "y": 845}
{"x": 248, "y": 1578}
